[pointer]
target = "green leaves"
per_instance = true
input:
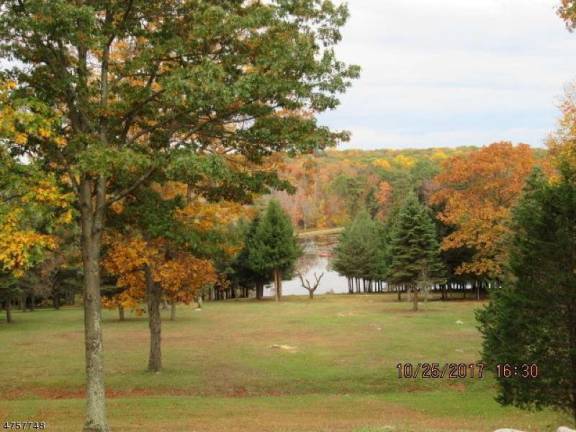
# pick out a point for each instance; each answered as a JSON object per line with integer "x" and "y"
{"x": 533, "y": 318}
{"x": 99, "y": 159}
{"x": 414, "y": 249}
{"x": 196, "y": 77}
{"x": 357, "y": 253}
{"x": 273, "y": 245}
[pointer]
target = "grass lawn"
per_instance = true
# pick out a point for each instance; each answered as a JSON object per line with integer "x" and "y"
{"x": 222, "y": 373}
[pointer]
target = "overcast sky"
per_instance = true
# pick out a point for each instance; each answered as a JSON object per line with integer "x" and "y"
{"x": 453, "y": 72}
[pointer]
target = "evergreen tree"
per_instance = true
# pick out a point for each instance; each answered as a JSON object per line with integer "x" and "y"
{"x": 414, "y": 249}
{"x": 273, "y": 248}
{"x": 357, "y": 253}
{"x": 243, "y": 272}
{"x": 532, "y": 320}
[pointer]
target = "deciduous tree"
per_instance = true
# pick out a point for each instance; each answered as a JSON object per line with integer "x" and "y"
{"x": 476, "y": 193}
{"x": 134, "y": 85}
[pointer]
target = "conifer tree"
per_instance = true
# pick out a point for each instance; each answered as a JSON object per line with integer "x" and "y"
{"x": 243, "y": 272}
{"x": 414, "y": 249}
{"x": 274, "y": 247}
{"x": 532, "y": 319}
{"x": 356, "y": 255}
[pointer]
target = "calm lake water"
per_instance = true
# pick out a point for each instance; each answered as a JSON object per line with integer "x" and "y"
{"x": 316, "y": 258}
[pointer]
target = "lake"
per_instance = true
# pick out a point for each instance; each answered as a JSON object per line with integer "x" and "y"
{"x": 316, "y": 258}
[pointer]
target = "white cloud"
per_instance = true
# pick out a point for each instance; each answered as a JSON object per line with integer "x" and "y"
{"x": 491, "y": 65}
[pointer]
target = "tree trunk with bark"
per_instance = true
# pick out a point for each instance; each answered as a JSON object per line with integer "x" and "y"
{"x": 121, "y": 316}
{"x": 414, "y": 297}
{"x": 173, "y": 311}
{"x": 278, "y": 284}
{"x": 92, "y": 215}
{"x": 8, "y": 308}
{"x": 153, "y": 292}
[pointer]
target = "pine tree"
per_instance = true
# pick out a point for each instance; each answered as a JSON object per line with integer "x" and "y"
{"x": 532, "y": 320}
{"x": 414, "y": 249}
{"x": 274, "y": 248}
{"x": 243, "y": 272}
{"x": 356, "y": 255}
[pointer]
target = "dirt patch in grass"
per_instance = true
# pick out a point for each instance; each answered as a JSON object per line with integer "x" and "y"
{"x": 79, "y": 393}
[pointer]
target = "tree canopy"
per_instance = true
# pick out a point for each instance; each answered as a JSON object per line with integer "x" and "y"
{"x": 273, "y": 249}
{"x": 532, "y": 320}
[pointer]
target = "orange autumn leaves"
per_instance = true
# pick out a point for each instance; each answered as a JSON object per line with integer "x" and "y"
{"x": 476, "y": 194}
{"x": 179, "y": 274}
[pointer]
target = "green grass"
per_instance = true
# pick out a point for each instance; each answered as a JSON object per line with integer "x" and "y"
{"x": 221, "y": 373}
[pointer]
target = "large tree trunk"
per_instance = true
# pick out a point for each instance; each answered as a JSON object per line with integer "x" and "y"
{"x": 259, "y": 290}
{"x": 121, "y": 316}
{"x": 414, "y": 297}
{"x": 154, "y": 322}
{"x": 8, "y": 311}
{"x": 56, "y": 301}
{"x": 92, "y": 215}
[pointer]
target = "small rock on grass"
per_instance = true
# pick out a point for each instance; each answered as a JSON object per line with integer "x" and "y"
{"x": 284, "y": 347}
{"x": 508, "y": 430}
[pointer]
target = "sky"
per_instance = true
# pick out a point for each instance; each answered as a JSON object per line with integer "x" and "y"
{"x": 446, "y": 73}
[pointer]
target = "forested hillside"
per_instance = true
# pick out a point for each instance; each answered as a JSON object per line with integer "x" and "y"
{"x": 332, "y": 186}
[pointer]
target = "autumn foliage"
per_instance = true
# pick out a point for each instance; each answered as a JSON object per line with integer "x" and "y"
{"x": 476, "y": 194}
{"x": 180, "y": 275}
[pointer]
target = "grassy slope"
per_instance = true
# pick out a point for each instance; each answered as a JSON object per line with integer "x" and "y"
{"x": 221, "y": 373}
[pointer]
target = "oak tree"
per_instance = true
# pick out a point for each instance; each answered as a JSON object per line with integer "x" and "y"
{"x": 134, "y": 85}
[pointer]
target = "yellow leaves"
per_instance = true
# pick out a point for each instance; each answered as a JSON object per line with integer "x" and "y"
{"x": 180, "y": 275}
{"x": 24, "y": 126}
{"x": 562, "y": 143}
{"x": 206, "y": 216}
{"x": 18, "y": 245}
{"x": 66, "y": 218}
{"x": 21, "y": 139}
{"x": 382, "y": 163}
{"x": 404, "y": 161}
{"x": 61, "y": 142}
{"x": 439, "y": 155}
{"x": 45, "y": 192}
{"x": 117, "y": 207}
{"x": 44, "y": 132}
